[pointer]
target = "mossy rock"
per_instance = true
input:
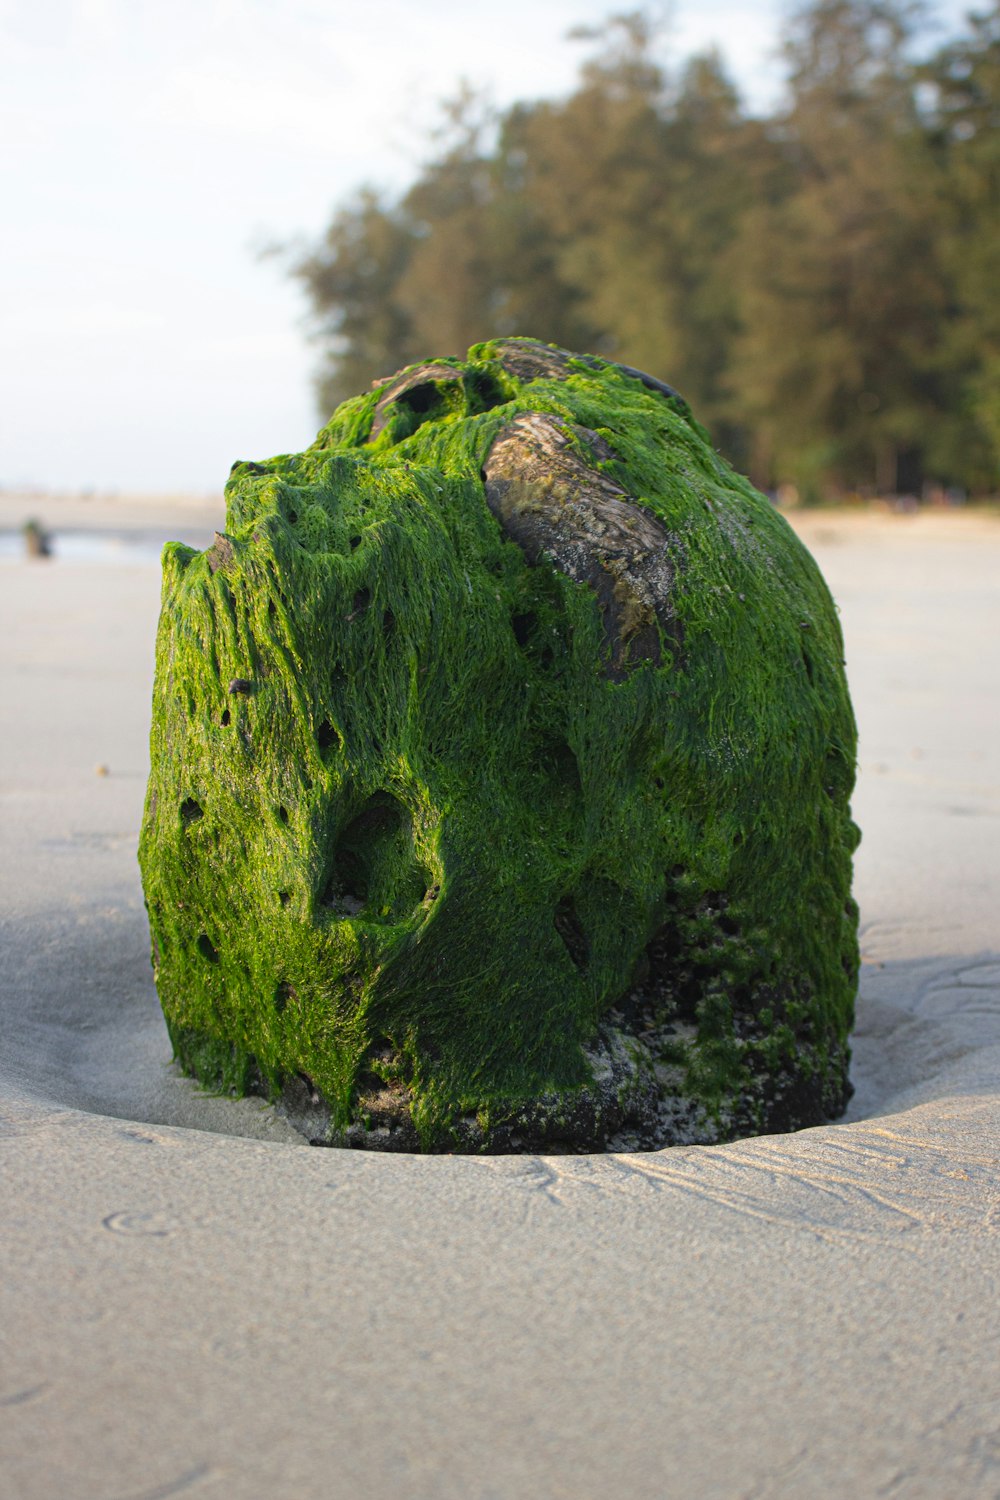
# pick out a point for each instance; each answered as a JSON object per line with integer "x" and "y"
{"x": 501, "y": 760}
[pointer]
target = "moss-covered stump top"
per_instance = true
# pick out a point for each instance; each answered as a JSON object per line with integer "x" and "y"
{"x": 501, "y": 757}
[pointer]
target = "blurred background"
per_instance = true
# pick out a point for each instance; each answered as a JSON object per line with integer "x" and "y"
{"x": 221, "y": 217}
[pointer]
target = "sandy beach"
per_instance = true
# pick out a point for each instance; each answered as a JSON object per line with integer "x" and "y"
{"x": 194, "y": 1302}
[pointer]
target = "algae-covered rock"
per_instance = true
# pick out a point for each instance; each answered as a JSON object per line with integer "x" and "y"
{"x": 501, "y": 757}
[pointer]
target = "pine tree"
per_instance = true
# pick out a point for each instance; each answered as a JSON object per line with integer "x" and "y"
{"x": 842, "y": 296}
{"x": 964, "y": 129}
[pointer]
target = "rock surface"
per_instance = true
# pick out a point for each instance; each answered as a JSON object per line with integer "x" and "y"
{"x": 501, "y": 764}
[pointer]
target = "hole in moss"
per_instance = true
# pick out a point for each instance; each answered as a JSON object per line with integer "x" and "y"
{"x": 360, "y": 603}
{"x": 486, "y": 392}
{"x": 422, "y": 398}
{"x": 426, "y": 392}
{"x": 327, "y": 737}
{"x": 388, "y": 624}
{"x": 523, "y": 626}
{"x": 283, "y": 814}
{"x": 807, "y": 663}
{"x": 284, "y": 897}
{"x": 355, "y": 543}
{"x": 340, "y": 893}
{"x": 374, "y": 865}
{"x": 191, "y": 811}
{"x": 293, "y": 517}
{"x": 207, "y": 948}
{"x": 283, "y": 994}
{"x": 742, "y": 999}
{"x": 226, "y": 716}
{"x": 728, "y": 926}
{"x": 571, "y": 930}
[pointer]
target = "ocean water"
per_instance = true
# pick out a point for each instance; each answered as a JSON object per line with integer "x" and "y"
{"x": 70, "y": 546}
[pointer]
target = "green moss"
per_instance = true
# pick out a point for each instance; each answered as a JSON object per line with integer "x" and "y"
{"x": 425, "y": 833}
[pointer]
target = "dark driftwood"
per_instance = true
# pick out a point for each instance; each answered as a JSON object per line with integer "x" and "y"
{"x": 530, "y": 361}
{"x": 552, "y": 501}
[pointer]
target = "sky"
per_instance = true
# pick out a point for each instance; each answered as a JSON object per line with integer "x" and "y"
{"x": 150, "y": 149}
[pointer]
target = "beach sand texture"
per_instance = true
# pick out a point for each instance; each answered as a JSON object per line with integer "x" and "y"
{"x": 193, "y": 1302}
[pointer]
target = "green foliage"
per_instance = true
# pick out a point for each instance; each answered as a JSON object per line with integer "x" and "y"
{"x": 821, "y": 284}
{"x": 964, "y": 130}
{"x": 406, "y": 830}
{"x": 841, "y": 300}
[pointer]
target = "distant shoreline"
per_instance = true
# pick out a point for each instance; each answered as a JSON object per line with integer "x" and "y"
{"x": 187, "y": 513}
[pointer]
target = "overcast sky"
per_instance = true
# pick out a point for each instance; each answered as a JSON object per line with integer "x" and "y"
{"x": 150, "y": 146}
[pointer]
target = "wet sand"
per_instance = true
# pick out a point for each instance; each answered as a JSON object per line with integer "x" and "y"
{"x": 194, "y": 1302}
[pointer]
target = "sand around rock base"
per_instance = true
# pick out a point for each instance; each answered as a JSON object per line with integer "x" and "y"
{"x": 195, "y": 1303}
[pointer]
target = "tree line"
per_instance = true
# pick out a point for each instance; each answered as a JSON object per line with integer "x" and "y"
{"x": 821, "y": 282}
